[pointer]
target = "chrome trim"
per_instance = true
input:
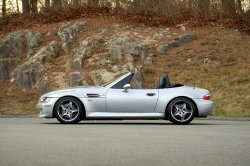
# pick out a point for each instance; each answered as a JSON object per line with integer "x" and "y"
{"x": 94, "y": 95}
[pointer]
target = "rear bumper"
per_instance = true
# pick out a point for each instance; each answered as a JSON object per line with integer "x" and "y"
{"x": 205, "y": 107}
{"x": 46, "y": 109}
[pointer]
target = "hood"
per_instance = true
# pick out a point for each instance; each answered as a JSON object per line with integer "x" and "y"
{"x": 77, "y": 91}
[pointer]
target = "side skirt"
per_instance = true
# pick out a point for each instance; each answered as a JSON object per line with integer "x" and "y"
{"x": 112, "y": 115}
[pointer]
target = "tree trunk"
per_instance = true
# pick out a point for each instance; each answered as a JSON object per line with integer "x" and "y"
{"x": 117, "y": 4}
{"x": 229, "y": 7}
{"x": 4, "y": 8}
{"x": 47, "y": 3}
{"x": 190, "y": 8}
{"x": 57, "y": 3}
{"x": 34, "y": 6}
{"x": 75, "y": 3}
{"x": 26, "y": 7}
{"x": 203, "y": 7}
{"x": 184, "y": 3}
{"x": 93, "y": 3}
{"x": 17, "y": 6}
{"x": 239, "y": 7}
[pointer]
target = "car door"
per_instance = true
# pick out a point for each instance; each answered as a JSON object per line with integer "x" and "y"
{"x": 134, "y": 100}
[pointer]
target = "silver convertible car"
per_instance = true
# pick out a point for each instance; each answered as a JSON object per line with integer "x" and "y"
{"x": 117, "y": 100}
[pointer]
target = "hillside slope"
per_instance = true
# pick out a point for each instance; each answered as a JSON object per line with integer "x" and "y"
{"x": 217, "y": 60}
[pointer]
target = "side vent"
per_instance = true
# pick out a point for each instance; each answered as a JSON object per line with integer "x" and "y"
{"x": 94, "y": 95}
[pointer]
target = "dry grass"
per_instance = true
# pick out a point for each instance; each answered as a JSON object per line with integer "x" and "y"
{"x": 15, "y": 101}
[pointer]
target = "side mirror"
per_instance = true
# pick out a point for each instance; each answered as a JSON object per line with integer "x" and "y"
{"x": 126, "y": 87}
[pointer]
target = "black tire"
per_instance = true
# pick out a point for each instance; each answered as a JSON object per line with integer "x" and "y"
{"x": 179, "y": 113}
{"x": 68, "y": 110}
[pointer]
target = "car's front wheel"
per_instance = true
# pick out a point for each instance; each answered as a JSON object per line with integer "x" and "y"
{"x": 181, "y": 111}
{"x": 68, "y": 110}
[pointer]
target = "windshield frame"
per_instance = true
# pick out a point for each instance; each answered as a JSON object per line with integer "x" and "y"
{"x": 115, "y": 80}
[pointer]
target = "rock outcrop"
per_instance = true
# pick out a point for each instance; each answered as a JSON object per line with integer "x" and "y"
{"x": 101, "y": 77}
{"x": 45, "y": 86}
{"x": 163, "y": 48}
{"x": 68, "y": 35}
{"x": 153, "y": 55}
{"x": 158, "y": 36}
{"x": 54, "y": 49}
{"x": 114, "y": 69}
{"x": 32, "y": 42}
{"x": 148, "y": 61}
{"x": 129, "y": 67}
{"x": 237, "y": 32}
{"x": 128, "y": 57}
{"x": 185, "y": 38}
{"x": 6, "y": 66}
{"x": 12, "y": 45}
{"x": 77, "y": 79}
{"x": 116, "y": 51}
{"x": 136, "y": 81}
{"x": 28, "y": 74}
{"x": 124, "y": 46}
{"x": 77, "y": 61}
{"x": 175, "y": 43}
{"x": 47, "y": 54}
{"x": 80, "y": 54}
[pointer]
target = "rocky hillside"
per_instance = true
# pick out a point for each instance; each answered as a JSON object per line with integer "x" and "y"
{"x": 93, "y": 51}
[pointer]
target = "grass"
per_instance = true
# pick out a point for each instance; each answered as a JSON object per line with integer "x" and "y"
{"x": 24, "y": 100}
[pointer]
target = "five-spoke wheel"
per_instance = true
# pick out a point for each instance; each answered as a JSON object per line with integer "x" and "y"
{"x": 181, "y": 111}
{"x": 68, "y": 110}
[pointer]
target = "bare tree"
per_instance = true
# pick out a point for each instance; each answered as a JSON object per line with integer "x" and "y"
{"x": 33, "y": 4}
{"x": 47, "y": 3}
{"x": 17, "y": 6}
{"x": 75, "y": 3}
{"x": 93, "y": 3}
{"x": 4, "y": 8}
{"x": 26, "y": 7}
{"x": 239, "y": 7}
{"x": 56, "y": 3}
{"x": 203, "y": 6}
{"x": 228, "y": 6}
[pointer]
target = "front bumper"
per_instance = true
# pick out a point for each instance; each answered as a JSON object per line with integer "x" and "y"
{"x": 46, "y": 109}
{"x": 205, "y": 107}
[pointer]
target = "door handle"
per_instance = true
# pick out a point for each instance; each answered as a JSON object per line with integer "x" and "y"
{"x": 150, "y": 94}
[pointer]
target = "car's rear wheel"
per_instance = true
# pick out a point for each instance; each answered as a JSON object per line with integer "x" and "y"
{"x": 181, "y": 111}
{"x": 68, "y": 110}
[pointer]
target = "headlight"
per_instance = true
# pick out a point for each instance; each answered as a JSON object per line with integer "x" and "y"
{"x": 45, "y": 99}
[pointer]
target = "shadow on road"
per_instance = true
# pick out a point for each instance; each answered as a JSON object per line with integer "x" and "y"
{"x": 129, "y": 123}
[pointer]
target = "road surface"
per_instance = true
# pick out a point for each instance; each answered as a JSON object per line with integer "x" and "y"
{"x": 39, "y": 142}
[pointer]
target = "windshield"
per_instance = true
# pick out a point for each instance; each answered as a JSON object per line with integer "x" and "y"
{"x": 116, "y": 77}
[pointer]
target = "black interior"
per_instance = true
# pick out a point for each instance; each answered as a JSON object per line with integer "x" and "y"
{"x": 163, "y": 82}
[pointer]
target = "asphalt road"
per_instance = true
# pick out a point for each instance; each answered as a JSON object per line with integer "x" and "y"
{"x": 35, "y": 142}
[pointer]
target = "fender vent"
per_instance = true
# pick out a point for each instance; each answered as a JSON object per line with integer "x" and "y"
{"x": 93, "y": 95}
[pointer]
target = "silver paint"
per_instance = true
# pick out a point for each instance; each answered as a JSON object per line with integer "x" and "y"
{"x": 107, "y": 103}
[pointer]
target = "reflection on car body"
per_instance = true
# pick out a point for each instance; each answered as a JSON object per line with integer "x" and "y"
{"x": 117, "y": 100}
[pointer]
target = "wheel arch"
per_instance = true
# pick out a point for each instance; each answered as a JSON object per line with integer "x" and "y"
{"x": 84, "y": 111}
{"x": 196, "y": 113}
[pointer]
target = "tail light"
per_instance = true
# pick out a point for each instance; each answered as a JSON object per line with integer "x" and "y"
{"x": 206, "y": 97}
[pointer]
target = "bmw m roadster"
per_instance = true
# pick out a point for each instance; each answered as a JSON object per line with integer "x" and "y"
{"x": 118, "y": 100}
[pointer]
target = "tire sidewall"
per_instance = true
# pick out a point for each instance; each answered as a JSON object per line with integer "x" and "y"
{"x": 79, "y": 116}
{"x": 169, "y": 115}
